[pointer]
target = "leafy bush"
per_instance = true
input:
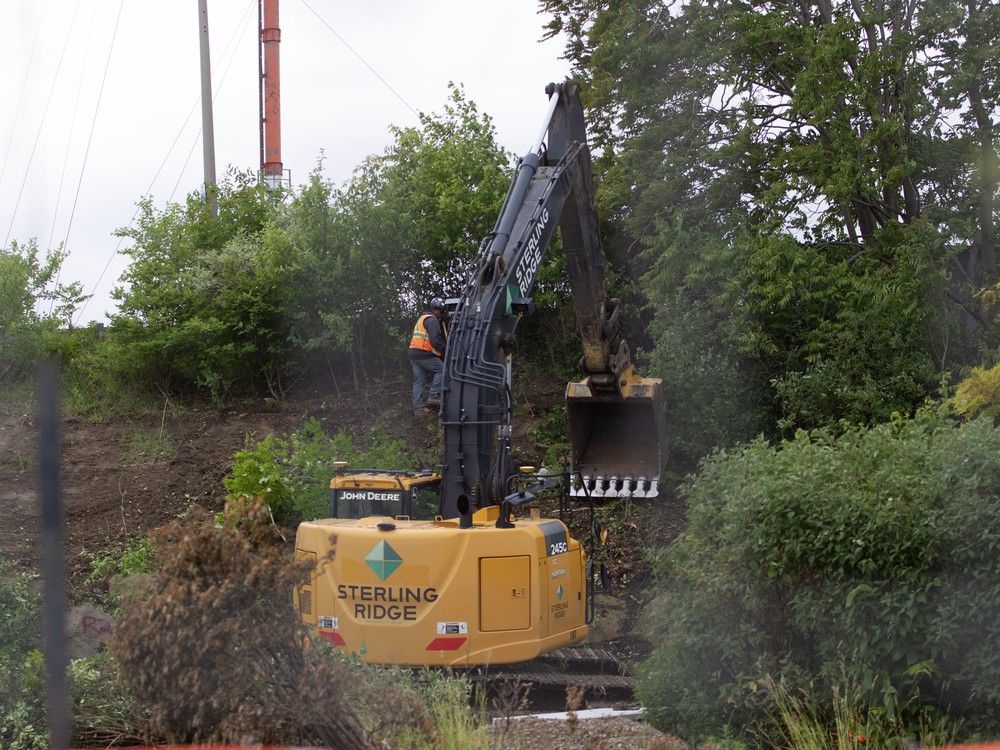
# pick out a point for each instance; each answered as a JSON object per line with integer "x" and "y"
{"x": 100, "y": 378}
{"x": 978, "y": 394}
{"x": 23, "y": 723}
{"x": 292, "y": 474}
{"x": 26, "y": 281}
{"x": 20, "y": 615}
{"x": 218, "y": 324}
{"x": 130, "y": 559}
{"x": 769, "y": 334}
{"x": 867, "y": 559}
{"x": 241, "y": 303}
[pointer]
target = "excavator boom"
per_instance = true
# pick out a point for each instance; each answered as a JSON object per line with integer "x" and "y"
{"x": 616, "y": 416}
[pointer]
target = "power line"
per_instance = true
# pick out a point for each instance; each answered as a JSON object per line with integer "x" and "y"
{"x": 194, "y": 104}
{"x": 41, "y": 126}
{"x": 90, "y": 137}
{"x": 20, "y": 96}
{"x": 218, "y": 87}
{"x": 358, "y": 55}
{"x": 226, "y": 50}
{"x": 93, "y": 121}
{"x": 69, "y": 137}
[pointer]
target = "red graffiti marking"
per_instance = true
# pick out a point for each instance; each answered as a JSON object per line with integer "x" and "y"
{"x": 95, "y": 625}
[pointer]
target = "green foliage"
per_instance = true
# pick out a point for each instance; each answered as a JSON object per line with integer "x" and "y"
{"x": 126, "y": 560}
{"x": 100, "y": 379}
{"x": 22, "y": 710}
{"x": 20, "y": 615}
{"x": 846, "y": 725}
{"x": 27, "y": 330}
{"x": 552, "y": 431}
{"x": 103, "y": 713}
{"x": 22, "y": 721}
{"x": 868, "y": 559}
{"x": 401, "y": 231}
{"x": 103, "y": 710}
{"x": 797, "y": 186}
{"x": 978, "y": 394}
{"x": 263, "y": 471}
{"x": 202, "y": 300}
{"x": 292, "y": 474}
{"x": 840, "y": 337}
{"x": 242, "y": 303}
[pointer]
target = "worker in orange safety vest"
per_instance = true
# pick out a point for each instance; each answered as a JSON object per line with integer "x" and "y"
{"x": 426, "y": 355}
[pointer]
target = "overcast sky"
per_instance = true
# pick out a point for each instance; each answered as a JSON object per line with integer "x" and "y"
{"x": 331, "y": 101}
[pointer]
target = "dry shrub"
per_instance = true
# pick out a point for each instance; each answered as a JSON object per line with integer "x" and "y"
{"x": 214, "y": 652}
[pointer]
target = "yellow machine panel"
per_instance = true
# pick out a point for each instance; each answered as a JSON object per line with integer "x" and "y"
{"x": 400, "y": 591}
{"x": 505, "y": 593}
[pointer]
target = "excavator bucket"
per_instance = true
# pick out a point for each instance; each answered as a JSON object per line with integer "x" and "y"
{"x": 618, "y": 440}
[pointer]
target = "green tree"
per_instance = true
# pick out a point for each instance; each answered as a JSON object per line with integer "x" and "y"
{"x": 202, "y": 301}
{"x": 749, "y": 147}
{"x": 27, "y": 281}
{"x": 401, "y": 231}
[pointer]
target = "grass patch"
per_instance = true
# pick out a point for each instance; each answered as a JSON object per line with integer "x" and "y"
{"x": 17, "y": 397}
{"x": 849, "y": 724}
{"x": 149, "y": 446}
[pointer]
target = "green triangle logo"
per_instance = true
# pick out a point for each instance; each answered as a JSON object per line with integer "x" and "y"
{"x": 559, "y": 592}
{"x": 384, "y": 560}
{"x": 512, "y": 292}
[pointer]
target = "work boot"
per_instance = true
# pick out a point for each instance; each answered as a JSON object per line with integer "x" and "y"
{"x": 433, "y": 403}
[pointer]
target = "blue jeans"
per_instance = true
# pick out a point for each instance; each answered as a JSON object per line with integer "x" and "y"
{"x": 421, "y": 366}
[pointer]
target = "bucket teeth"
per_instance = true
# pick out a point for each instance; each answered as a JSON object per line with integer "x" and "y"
{"x": 640, "y": 487}
{"x": 613, "y": 487}
{"x": 626, "y": 488}
{"x": 599, "y": 488}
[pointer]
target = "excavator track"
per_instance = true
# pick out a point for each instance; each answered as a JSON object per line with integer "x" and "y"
{"x": 603, "y": 678}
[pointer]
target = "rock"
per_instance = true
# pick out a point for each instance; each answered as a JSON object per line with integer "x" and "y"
{"x": 88, "y": 627}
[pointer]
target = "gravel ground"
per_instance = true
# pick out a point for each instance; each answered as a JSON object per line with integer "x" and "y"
{"x": 593, "y": 734}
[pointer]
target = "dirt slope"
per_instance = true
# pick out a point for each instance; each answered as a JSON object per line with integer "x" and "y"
{"x": 124, "y": 476}
{"x": 121, "y": 477}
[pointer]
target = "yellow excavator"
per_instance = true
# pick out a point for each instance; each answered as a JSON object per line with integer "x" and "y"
{"x": 457, "y": 567}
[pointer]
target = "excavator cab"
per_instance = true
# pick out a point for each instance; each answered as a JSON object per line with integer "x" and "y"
{"x": 618, "y": 445}
{"x": 384, "y": 493}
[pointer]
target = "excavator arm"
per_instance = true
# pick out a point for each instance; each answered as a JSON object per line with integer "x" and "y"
{"x": 616, "y": 420}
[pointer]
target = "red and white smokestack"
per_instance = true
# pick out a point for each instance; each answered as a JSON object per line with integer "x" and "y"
{"x": 270, "y": 38}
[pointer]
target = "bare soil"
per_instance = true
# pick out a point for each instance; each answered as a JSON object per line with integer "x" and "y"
{"x": 126, "y": 475}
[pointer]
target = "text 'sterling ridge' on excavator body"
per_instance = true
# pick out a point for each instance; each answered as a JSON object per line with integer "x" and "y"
{"x": 422, "y": 568}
